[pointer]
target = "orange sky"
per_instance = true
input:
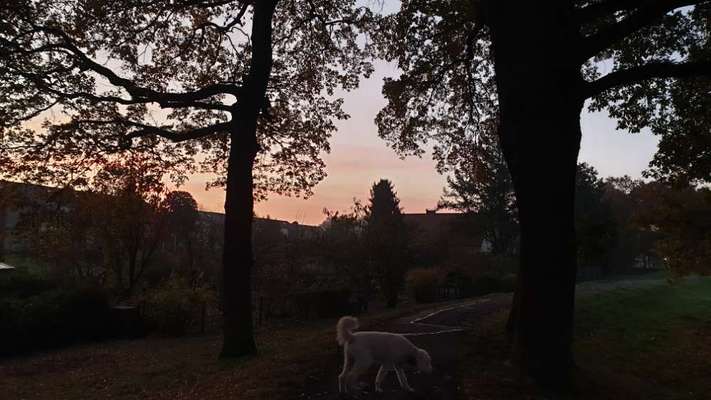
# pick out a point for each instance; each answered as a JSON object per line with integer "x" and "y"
{"x": 359, "y": 158}
{"x": 351, "y": 171}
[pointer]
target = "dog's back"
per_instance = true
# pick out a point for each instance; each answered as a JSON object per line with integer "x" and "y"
{"x": 383, "y": 347}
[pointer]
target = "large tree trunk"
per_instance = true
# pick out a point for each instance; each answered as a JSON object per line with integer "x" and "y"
{"x": 238, "y": 257}
{"x": 540, "y": 106}
{"x": 2, "y": 229}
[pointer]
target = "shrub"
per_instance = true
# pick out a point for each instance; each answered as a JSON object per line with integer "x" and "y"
{"x": 423, "y": 282}
{"x": 174, "y": 307}
{"x": 22, "y": 284}
{"x": 457, "y": 284}
{"x": 485, "y": 284}
{"x": 52, "y": 318}
{"x": 323, "y": 303}
{"x": 508, "y": 283}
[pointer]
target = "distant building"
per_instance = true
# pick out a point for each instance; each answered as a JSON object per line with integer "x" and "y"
{"x": 18, "y": 198}
{"x": 452, "y": 238}
{"x": 266, "y": 225}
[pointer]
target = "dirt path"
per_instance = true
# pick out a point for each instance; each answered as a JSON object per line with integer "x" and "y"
{"x": 440, "y": 332}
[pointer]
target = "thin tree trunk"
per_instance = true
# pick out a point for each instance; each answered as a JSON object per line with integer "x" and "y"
{"x": 238, "y": 256}
{"x": 540, "y": 106}
{"x": 3, "y": 210}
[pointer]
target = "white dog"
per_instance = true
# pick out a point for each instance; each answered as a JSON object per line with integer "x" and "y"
{"x": 390, "y": 350}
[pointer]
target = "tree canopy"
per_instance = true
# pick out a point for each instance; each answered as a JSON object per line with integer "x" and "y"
{"x": 480, "y": 184}
{"x": 83, "y": 81}
{"x": 644, "y": 62}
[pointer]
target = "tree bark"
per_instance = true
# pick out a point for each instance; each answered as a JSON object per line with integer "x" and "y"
{"x": 238, "y": 256}
{"x": 539, "y": 86}
{"x": 2, "y": 229}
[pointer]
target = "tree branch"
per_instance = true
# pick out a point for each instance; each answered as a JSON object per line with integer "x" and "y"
{"x": 601, "y": 9}
{"x": 645, "y": 72}
{"x": 163, "y": 98}
{"x": 39, "y": 81}
{"x": 150, "y": 130}
{"x": 196, "y": 133}
{"x": 646, "y": 14}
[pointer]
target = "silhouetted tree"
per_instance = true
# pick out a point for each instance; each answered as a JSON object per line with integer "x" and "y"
{"x": 634, "y": 240}
{"x": 182, "y": 214}
{"x": 594, "y": 222}
{"x": 534, "y": 64}
{"x": 174, "y": 78}
{"x": 681, "y": 219}
{"x": 481, "y": 185}
{"x": 344, "y": 247}
{"x": 386, "y": 240}
{"x": 130, "y": 218}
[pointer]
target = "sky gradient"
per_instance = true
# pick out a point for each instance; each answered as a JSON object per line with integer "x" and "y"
{"x": 359, "y": 157}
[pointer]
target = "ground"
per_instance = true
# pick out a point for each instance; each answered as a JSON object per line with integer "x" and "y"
{"x": 635, "y": 339}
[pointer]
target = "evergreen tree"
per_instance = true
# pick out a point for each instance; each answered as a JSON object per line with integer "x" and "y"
{"x": 386, "y": 239}
{"x": 480, "y": 185}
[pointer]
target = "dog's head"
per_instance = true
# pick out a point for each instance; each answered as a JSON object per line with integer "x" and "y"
{"x": 424, "y": 362}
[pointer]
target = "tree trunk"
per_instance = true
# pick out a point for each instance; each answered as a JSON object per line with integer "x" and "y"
{"x": 540, "y": 107}
{"x": 238, "y": 256}
{"x": 2, "y": 230}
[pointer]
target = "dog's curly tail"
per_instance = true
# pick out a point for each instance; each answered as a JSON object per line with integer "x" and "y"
{"x": 344, "y": 329}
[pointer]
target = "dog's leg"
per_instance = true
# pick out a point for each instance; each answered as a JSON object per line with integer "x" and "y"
{"x": 342, "y": 384}
{"x": 402, "y": 378}
{"x": 359, "y": 366}
{"x": 382, "y": 374}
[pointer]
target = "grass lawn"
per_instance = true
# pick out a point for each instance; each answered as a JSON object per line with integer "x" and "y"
{"x": 651, "y": 342}
{"x": 184, "y": 368}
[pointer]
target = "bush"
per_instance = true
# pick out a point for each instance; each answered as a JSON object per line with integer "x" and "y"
{"x": 324, "y": 303}
{"x": 21, "y": 284}
{"x": 458, "y": 283}
{"x": 174, "y": 307}
{"x": 424, "y": 283}
{"x": 508, "y": 283}
{"x": 486, "y": 284}
{"x": 52, "y": 318}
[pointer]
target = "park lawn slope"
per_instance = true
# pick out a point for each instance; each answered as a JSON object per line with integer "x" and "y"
{"x": 651, "y": 343}
{"x": 648, "y": 342}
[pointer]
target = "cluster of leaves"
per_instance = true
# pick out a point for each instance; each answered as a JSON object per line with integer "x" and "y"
{"x": 85, "y": 80}
{"x": 175, "y": 306}
{"x": 681, "y": 218}
{"x": 596, "y": 228}
{"x": 447, "y": 92}
{"x": 675, "y": 110}
{"x": 480, "y": 184}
